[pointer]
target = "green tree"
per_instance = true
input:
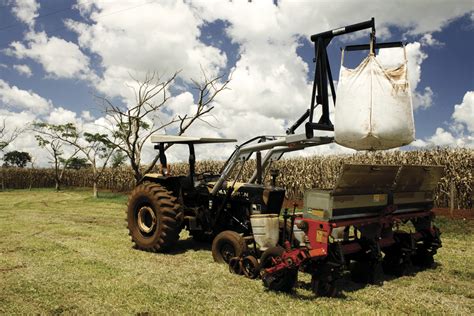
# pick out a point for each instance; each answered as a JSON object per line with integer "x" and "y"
{"x": 97, "y": 148}
{"x": 118, "y": 160}
{"x": 16, "y": 158}
{"x": 77, "y": 163}
{"x": 54, "y": 146}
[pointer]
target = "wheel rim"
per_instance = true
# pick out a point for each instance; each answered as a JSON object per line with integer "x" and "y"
{"x": 227, "y": 252}
{"x": 146, "y": 219}
{"x": 235, "y": 266}
{"x": 250, "y": 267}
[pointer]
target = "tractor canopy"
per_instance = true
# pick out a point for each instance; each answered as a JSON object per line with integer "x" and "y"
{"x": 173, "y": 139}
{"x": 164, "y": 141}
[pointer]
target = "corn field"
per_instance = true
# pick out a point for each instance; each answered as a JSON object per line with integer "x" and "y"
{"x": 296, "y": 175}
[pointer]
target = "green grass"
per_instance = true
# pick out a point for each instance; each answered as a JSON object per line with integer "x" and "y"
{"x": 69, "y": 253}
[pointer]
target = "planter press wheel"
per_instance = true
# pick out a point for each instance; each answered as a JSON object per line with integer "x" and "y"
{"x": 250, "y": 267}
{"x": 282, "y": 281}
{"x": 235, "y": 266}
{"x": 227, "y": 245}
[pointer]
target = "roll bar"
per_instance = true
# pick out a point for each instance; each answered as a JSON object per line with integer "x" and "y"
{"x": 276, "y": 149}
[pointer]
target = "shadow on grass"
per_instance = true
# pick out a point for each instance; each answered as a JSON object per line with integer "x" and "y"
{"x": 346, "y": 285}
{"x": 189, "y": 244}
{"x": 185, "y": 245}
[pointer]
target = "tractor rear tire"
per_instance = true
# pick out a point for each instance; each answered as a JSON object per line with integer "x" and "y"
{"x": 153, "y": 218}
{"x": 227, "y": 245}
{"x": 282, "y": 281}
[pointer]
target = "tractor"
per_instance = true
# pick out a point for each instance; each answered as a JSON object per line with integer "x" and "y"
{"x": 355, "y": 225}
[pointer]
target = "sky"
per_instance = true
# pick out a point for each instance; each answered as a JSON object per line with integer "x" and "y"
{"x": 56, "y": 57}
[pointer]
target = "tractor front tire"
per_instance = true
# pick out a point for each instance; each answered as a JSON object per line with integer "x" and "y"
{"x": 227, "y": 245}
{"x": 153, "y": 218}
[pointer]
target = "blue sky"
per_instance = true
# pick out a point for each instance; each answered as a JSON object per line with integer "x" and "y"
{"x": 57, "y": 55}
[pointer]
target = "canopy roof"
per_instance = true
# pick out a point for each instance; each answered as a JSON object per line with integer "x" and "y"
{"x": 188, "y": 139}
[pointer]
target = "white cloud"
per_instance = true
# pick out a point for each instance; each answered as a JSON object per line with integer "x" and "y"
{"x": 461, "y": 128}
{"x": 59, "y": 58}
{"x": 87, "y": 116}
{"x": 464, "y": 112}
{"x": 429, "y": 40}
{"x": 275, "y": 87}
{"x": 26, "y": 11}
{"x": 17, "y": 99}
{"x": 442, "y": 138}
{"x": 182, "y": 103}
{"x": 423, "y": 99}
{"x": 419, "y": 143}
{"x": 136, "y": 39}
{"x": 61, "y": 116}
{"x": 416, "y": 17}
{"x": 262, "y": 20}
{"x": 23, "y": 70}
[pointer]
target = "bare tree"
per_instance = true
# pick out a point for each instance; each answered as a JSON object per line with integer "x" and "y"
{"x": 6, "y": 136}
{"x": 135, "y": 125}
{"x": 96, "y": 147}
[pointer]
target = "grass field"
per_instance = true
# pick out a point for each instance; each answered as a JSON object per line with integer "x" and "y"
{"x": 68, "y": 253}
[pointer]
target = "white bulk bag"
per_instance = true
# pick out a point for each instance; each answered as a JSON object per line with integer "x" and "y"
{"x": 373, "y": 107}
